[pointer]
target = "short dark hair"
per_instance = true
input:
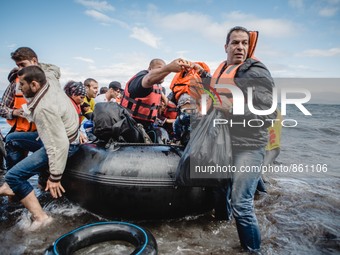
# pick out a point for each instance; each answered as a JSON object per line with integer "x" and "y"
{"x": 115, "y": 85}
{"x": 237, "y": 28}
{"x": 23, "y": 53}
{"x": 88, "y": 81}
{"x": 154, "y": 62}
{"x": 12, "y": 74}
{"x": 103, "y": 90}
{"x": 33, "y": 73}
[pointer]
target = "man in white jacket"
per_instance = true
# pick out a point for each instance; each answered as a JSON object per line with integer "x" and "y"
{"x": 57, "y": 124}
{"x": 22, "y": 137}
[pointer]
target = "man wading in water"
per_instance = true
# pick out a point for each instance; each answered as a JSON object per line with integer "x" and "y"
{"x": 248, "y": 142}
{"x": 57, "y": 125}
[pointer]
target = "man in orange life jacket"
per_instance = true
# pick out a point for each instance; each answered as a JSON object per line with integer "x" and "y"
{"x": 248, "y": 142}
{"x": 142, "y": 94}
{"x": 23, "y": 136}
{"x": 22, "y": 133}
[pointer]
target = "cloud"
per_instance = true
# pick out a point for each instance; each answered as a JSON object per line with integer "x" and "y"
{"x": 321, "y": 53}
{"x": 97, "y": 5}
{"x": 296, "y": 4}
{"x": 87, "y": 60}
{"x": 98, "y": 16}
{"x": 122, "y": 68}
{"x": 181, "y": 53}
{"x": 278, "y": 28}
{"x": 145, "y": 36}
{"x": 335, "y": 2}
{"x": 194, "y": 23}
{"x": 328, "y": 11}
{"x": 215, "y": 31}
{"x": 95, "y": 11}
{"x": 105, "y": 19}
{"x": 12, "y": 46}
{"x": 141, "y": 34}
{"x": 68, "y": 74}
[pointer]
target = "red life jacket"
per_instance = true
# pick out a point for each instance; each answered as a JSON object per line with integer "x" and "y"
{"x": 188, "y": 82}
{"x": 143, "y": 108}
{"x": 78, "y": 109}
{"x": 170, "y": 111}
{"x": 20, "y": 123}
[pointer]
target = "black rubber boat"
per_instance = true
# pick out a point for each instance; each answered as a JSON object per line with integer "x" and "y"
{"x": 132, "y": 181}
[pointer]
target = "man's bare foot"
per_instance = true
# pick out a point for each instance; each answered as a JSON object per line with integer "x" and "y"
{"x": 37, "y": 224}
{"x": 5, "y": 190}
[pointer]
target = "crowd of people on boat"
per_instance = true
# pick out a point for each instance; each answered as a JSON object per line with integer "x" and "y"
{"x": 49, "y": 121}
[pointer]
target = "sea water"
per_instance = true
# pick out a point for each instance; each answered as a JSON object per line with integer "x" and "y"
{"x": 299, "y": 215}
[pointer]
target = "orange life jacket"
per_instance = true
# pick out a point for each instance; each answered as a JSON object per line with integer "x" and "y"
{"x": 20, "y": 123}
{"x": 170, "y": 111}
{"x": 225, "y": 73}
{"x": 143, "y": 108}
{"x": 188, "y": 82}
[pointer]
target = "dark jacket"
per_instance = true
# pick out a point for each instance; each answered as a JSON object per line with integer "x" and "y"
{"x": 253, "y": 74}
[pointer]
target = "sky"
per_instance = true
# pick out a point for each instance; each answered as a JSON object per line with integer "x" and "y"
{"x": 114, "y": 39}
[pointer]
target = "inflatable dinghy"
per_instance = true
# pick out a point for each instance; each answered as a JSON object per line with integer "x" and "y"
{"x": 132, "y": 181}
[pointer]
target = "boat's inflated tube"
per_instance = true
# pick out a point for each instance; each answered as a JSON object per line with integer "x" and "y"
{"x": 87, "y": 235}
{"x": 132, "y": 182}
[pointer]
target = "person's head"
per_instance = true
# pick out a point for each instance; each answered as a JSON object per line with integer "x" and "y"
{"x": 24, "y": 56}
{"x": 115, "y": 89}
{"x": 103, "y": 90}
{"x": 237, "y": 45}
{"x": 156, "y": 63}
{"x": 76, "y": 91}
{"x": 91, "y": 86}
{"x": 32, "y": 79}
{"x": 12, "y": 75}
{"x": 187, "y": 104}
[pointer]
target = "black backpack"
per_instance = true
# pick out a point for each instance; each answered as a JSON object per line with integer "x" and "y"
{"x": 112, "y": 121}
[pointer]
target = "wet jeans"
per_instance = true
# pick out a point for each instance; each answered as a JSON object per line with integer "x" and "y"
{"x": 18, "y": 144}
{"x": 241, "y": 193}
{"x": 17, "y": 177}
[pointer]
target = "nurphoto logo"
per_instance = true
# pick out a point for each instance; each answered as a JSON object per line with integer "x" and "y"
{"x": 239, "y": 102}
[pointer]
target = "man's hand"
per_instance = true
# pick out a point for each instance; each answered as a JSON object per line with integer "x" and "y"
{"x": 85, "y": 109}
{"x": 197, "y": 68}
{"x": 226, "y": 105}
{"x": 178, "y": 64}
{"x": 18, "y": 112}
{"x": 55, "y": 189}
{"x": 157, "y": 75}
{"x": 82, "y": 138}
